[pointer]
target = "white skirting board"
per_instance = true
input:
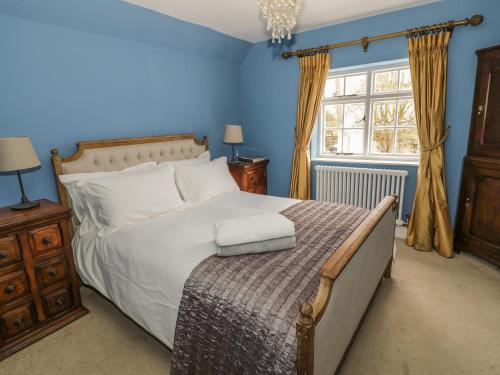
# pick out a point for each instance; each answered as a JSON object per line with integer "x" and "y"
{"x": 401, "y": 231}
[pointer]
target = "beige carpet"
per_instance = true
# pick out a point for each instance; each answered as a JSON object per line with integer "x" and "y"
{"x": 436, "y": 316}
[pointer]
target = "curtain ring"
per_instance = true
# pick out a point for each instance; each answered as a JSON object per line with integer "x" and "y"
{"x": 323, "y": 49}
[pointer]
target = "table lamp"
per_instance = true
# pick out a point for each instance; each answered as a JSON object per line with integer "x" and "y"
{"x": 17, "y": 154}
{"x": 233, "y": 135}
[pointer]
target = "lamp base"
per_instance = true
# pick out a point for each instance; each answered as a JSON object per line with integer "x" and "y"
{"x": 25, "y": 205}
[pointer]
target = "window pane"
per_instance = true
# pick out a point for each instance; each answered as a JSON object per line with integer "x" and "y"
{"x": 355, "y": 85}
{"x": 384, "y": 113}
{"x": 334, "y": 87}
{"x": 383, "y": 141}
{"x": 334, "y": 115}
{"x": 407, "y": 141}
{"x": 406, "y": 113}
{"x": 353, "y": 141}
{"x": 405, "y": 79}
{"x": 333, "y": 139}
{"x": 354, "y": 115}
{"x": 386, "y": 81}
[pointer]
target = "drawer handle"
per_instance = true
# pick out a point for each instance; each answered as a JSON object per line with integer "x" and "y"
{"x": 53, "y": 273}
{"x": 59, "y": 301}
{"x": 467, "y": 202}
{"x": 46, "y": 240}
{"x": 11, "y": 288}
{"x": 3, "y": 254}
{"x": 18, "y": 323}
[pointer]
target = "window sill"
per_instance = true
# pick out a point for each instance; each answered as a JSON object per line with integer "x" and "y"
{"x": 412, "y": 163}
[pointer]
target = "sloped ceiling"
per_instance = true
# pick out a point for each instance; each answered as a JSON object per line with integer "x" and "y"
{"x": 118, "y": 19}
{"x": 242, "y": 18}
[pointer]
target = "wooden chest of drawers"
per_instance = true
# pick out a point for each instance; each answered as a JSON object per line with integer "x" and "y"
{"x": 39, "y": 288}
{"x": 250, "y": 177}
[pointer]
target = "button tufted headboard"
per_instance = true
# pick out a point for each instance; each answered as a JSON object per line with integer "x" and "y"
{"x": 117, "y": 154}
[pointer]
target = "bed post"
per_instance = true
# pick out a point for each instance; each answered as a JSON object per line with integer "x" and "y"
{"x": 388, "y": 269}
{"x": 57, "y": 165}
{"x": 305, "y": 340}
{"x": 61, "y": 190}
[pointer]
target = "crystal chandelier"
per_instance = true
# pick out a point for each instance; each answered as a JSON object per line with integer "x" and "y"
{"x": 280, "y": 16}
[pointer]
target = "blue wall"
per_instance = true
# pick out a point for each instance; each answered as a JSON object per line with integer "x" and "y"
{"x": 119, "y": 71}
{"x": 269, "y": 84}
{"x": 73, "y": 70}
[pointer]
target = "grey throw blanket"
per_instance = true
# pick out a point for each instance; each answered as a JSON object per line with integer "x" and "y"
{"x": 237, "y": 314}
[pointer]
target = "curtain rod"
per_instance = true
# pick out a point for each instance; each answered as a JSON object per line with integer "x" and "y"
{"x": 473, "y": 21}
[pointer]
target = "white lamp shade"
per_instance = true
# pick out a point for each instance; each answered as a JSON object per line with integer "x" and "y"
{"x": 233, "y": 134}
{"x": 17, "y": 153}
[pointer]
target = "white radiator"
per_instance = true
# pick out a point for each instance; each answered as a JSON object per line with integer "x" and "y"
{"x": 363, "y": 187}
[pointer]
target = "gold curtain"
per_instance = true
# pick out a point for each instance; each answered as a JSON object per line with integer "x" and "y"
{"x": 313, "y": 73}
{"x": 429, "y": 226}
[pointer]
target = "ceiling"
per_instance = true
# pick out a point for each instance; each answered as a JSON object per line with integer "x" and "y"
{"x": 242, "y": 18}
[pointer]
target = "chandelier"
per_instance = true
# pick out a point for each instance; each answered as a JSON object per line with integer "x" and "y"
{"x": 280, "y": 16}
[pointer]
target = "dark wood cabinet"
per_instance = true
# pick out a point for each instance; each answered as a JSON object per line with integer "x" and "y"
{"x": 478, "y": 221}
{"x": 39, "y": 288}
{"x": 250, "y": 177}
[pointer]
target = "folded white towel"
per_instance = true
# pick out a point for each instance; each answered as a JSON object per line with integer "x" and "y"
{"x": 252, "y": 229}
{"x": 276, "y": 244}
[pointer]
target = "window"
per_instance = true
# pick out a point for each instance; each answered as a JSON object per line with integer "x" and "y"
{"x": 368, "y": 113}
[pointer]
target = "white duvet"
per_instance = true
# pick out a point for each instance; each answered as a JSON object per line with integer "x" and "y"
{"x": 142, "y": 268}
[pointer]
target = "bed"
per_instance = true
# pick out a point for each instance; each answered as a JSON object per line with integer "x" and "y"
{"x": 148, "y": 286}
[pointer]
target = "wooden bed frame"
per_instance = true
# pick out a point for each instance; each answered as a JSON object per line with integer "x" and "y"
{"x": 349, "y": 279}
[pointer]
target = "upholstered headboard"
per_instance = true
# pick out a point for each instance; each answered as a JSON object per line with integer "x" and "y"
{"x": 117, "y": 154}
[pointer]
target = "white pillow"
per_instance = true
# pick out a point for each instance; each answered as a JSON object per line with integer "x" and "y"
{"x": 200, "y": 159}
{"x": 199, "y": 183}
{"x": 70, "y": 181}
{"x": 123, "y": 199}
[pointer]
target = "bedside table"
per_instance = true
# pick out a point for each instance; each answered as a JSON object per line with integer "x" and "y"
{"x": 250, "y": 177}
{"x": 39, "y": 288}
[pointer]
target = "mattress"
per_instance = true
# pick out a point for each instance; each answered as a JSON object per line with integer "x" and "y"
{"x": 142, "y": 268}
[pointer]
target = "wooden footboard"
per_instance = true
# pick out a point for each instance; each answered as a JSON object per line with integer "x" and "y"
{"x": 349, "y": 280}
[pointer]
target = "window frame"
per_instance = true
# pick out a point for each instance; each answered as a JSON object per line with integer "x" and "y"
{"x": 368, "y": 156}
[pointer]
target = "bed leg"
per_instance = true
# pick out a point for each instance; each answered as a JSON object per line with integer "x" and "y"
{"x": 388, "y": 269}
{"x": 305, "y": 341}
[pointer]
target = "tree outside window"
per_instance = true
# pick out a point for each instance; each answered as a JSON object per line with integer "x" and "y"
{"x": 369, "y": 113}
